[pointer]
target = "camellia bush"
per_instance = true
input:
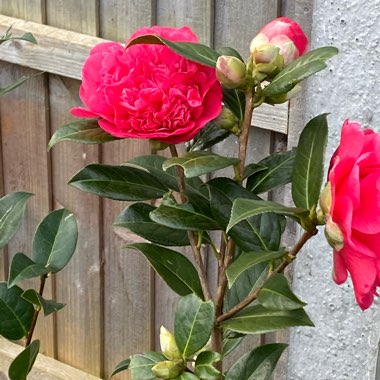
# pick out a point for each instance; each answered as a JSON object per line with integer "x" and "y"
{"x": 166, "y": 87}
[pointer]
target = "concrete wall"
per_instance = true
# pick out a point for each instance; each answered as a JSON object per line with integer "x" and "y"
{"x": 344, "y": 343}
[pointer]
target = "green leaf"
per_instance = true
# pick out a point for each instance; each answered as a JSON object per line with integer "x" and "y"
{"x": 278, "y": 172}
{"x": 16, "y": 83}
{"x": 190, "y": 50}
{"x": 245, "y": 208}
{"x": 136, "y": 218}
{"x": 12, "y": 208}
{"x": 23, "y": 363}
{"x": 276, "y": 294}
{"x": 261, "y": 232}
{"x": 55, "y": 240}
{"x": 141, "y": 365}
{"x": 308, "y": 164}
{"x": 82, "y": 131}
{"x": 23, "y": 268}
{"x": 174, "y": 268}
{"x": 48, "y": 306}
{"x": 208, "y": 136}
{"x": 225, "y": 50}
{"x": 197, "y": 163}
{"x": 247, "y": 282}
{"x": 259, "y": 320}
{"x": 187, "y": 376}
{"x": 257, "y": 364}
{"x": 234, "y": 100}
{"x": 183, "y": 217}
{"x": 251, "y": 169}
{"x": 28, "y": 37}
{"x": 193, "y": 323}
{"x": 247, "y": 260}
{"x": 16, "y": 314}
{"x": 118, "y": 182}
{"x": 229, "y": 344}
{"x": 299, "y": 70}
{"x": 122, "y": 366}
{"x": 204, "y": 368}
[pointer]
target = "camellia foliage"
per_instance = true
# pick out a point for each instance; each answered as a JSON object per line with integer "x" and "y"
{"x": 166, "y": 87}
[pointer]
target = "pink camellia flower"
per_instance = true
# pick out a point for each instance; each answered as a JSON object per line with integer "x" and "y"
{"x": 149, "y": 91}
{"x": 283, "y": 33}
{"x": 353, "y": 219}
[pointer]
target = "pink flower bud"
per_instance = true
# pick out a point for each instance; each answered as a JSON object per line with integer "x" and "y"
{"x": 285, "y": 34}
{"x": 230, "y": 71}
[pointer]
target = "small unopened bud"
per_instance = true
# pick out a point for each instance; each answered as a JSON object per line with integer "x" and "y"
{"x": 228, "y": 120}
{"x": 334, "y": 234}
{"x": 167, "y": 370}
{"x": 230, "y": 71}
{"x": 168, "y": 345}
{"x": 158, "y": 145}
{"x": 325, "y": 198}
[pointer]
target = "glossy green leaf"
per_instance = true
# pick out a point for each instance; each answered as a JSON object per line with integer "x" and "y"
{"x": 48, "y": 306}
{"x": 278, "y": 172}
{"x": 23, "y": 363}
{"x": 187, "y": 376}
{"x": 122, "y": 366}
{"x": 234, "y": 100}
{"x": 118, "y": 182}
{"x": 246, "y": 208}
{"x": 208, "y": 136}
{"x": 24, "y": 268}
{"x": 276, "y": 294}
{"x": 193, "y": 323}
{"x": 257, "y": 364}
{"x": 247, "y": 282}
{"x": 83, "y": 131}
{"x": 183, "y": 217}
{"x": 136, "y": 218}
{"x": 261, "y": 232}
{"x": 198, "y": 163}
{"x": 226, "y": 50}
{"x": 174, "y": 268}
{"x": 141, "y": 365}
{"x": 308, "y": 164}
{"x": 303, "y": 67}
{"x": 204, "y": 365}
{"x": 229, "y": 344}
{"x": 253, "y": 169}
{"x": 12, "y": 208}
{"x": 190, "y": 50}
{"x": 247, "y": 260}
{"x": 259, "y": 320}
{"x": 55, "y": 240}
{"x": 16, "y": 314}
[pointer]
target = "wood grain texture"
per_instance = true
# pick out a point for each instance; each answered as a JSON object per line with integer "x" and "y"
{"x": 128, "y": 279}
{"x": 26, "y": 165}
{"x": 80, "y": 323}
{"x": 44, "y": 368}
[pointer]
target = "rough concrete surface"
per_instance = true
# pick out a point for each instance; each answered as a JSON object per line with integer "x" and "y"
{"x": 344, "y": 343}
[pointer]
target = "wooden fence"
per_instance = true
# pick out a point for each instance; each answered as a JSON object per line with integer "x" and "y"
{"x": 115, "y": 303}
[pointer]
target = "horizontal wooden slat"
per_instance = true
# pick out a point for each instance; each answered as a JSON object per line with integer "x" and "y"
{"x": 63, "y": 52}
{"x": 44, "y": 368}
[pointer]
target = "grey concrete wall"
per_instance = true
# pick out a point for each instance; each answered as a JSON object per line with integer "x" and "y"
{"x": 344, "y": 343}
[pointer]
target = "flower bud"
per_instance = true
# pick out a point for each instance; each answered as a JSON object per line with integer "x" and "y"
{"x": 230, "y": 71}
{"x": 168, "y": 345}
{"x": 325, "y": 198}
{"x": 158, "y": 145}
{"x": 334, "y": 234}
{"x": 167, "y": 370}
{"x": 228, "y": 120}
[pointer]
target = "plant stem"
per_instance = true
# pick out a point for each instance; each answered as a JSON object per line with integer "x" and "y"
{"x": 36, "y": 311}
{"x": 252, "y": 296}
{"x": 192, "y": 236}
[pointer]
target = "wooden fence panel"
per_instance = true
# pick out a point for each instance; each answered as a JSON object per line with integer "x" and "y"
{"x": 80, "y": 285}
{"x": 115, "y": 303}
{"x": 128, "y": 282}
{"x": 26, "y": 165}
